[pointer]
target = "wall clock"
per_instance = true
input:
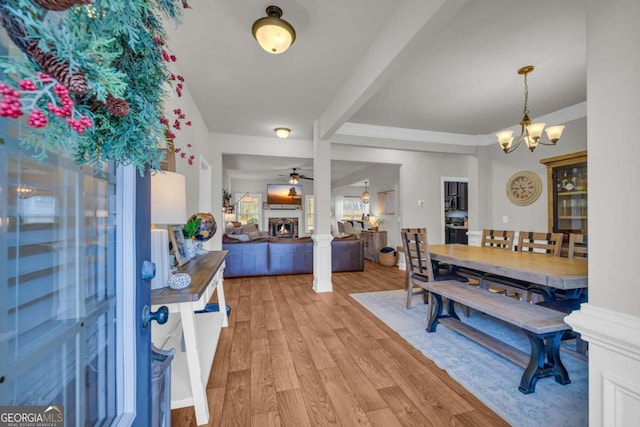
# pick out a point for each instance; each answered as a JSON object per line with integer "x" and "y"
{"x": 524, "y": 188}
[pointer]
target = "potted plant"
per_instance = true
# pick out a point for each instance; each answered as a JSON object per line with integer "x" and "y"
{"x": 189, "y": 231}
{"x": 226, "y": 198}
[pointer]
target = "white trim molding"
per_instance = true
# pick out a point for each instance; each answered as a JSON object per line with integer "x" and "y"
{"x": 616, "y": 331}
{"x": 614, "y": 364}
{"x": 322, "y": 263}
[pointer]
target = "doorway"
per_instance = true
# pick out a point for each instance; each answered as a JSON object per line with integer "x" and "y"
{"x": 455, "y": 210}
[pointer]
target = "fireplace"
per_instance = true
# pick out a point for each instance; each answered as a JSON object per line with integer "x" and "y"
{"x": 283, "y": 227}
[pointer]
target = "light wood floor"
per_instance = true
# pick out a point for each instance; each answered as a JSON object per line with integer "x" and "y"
{"x": 292, "y": 357}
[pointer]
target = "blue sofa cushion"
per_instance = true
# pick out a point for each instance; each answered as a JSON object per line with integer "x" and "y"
{"x": 290, "y": 257}
{"x": 246, "y": 259}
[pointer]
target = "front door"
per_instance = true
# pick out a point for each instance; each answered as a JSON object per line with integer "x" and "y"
{"x": 71, "y": 293}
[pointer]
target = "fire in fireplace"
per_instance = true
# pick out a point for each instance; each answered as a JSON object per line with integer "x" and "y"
{"x": 283, "y": 227}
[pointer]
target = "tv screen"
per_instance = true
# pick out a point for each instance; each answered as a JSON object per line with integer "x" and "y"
{"x": 284, "y": 194}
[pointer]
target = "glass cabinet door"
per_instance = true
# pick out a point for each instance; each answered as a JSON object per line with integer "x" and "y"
{"x": 570, "y": 207}
{"x": 568, "y": 190}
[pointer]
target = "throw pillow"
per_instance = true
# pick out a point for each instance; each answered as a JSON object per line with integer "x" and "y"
{"x": 240, "y": 237}
{"x": 252, "y": 234}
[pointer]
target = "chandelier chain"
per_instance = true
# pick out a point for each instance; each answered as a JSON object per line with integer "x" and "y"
{"x": 525, "y": 111}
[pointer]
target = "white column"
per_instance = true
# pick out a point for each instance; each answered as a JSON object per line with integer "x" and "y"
{"x": 610, "y": 321}
{"x": 322, "y": 227}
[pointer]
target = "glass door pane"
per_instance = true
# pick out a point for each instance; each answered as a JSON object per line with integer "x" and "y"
{"x": 570, "y": 204}
{"x": 57, "y": 287}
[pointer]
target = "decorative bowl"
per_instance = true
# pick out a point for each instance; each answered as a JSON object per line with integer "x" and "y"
{"x": 179, "y": 281}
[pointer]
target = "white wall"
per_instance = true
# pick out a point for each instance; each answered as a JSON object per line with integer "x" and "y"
{"x": 199, "y": 138}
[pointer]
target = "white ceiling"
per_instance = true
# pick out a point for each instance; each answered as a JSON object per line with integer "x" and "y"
{"x": 457, "y": 75}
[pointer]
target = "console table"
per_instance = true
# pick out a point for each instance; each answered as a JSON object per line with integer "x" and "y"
{"x": 373, "y": 242}
{"x": 194, "y": 336}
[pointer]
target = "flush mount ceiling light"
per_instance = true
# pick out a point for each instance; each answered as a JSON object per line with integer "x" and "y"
{"x": 365, "y": 194}
{"x": 273, "y": 33}
{"x": 530, "y": 133}
{"x": 282, "y": 133}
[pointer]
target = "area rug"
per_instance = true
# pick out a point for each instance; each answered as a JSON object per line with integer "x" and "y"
{"x": 491, "y": 378}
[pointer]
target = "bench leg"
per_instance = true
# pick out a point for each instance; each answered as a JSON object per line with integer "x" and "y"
{"x": 434, "y": 312}
{"x": 545, "y": 361}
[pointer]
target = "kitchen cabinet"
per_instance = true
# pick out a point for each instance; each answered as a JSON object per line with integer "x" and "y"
{"x": 455, "y": 194}
{"x": 462, "y": 196}
{"x": 456, "y": 234}
{"x": 567, "y": 193}
{"x": 373, "y": 242}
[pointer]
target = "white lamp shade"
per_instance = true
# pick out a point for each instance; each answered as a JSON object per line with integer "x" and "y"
{"x": 168, "y": 198}
{"x": 273, "y": 37}
{"x": 535, "y": 130}
{"x": 554, "y": 133}
{"x": 505, "y": 138}
{"x": 282, "y": 133}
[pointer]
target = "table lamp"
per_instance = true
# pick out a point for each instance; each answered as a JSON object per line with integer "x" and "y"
{"x": 168, "y": 207}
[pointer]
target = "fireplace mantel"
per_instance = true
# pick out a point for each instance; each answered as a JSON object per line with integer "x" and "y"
{"x": 298, "y": 214}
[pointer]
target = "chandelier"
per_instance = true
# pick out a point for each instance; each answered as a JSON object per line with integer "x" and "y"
{"x": 530, "y": 133}
{"x": 25, "y": 190}
{"x": 365, "y": 194}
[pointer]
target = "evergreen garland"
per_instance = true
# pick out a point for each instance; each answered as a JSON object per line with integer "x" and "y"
{"x": 93, "y": 78}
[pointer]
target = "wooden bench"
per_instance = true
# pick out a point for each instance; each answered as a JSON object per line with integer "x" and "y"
{"x": 544, "y": 328}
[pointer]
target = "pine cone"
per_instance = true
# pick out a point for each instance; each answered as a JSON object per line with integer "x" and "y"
{"x": 75, "y": 82}
{"x": 59, "y": 5}
{"x": 117, "y": 106}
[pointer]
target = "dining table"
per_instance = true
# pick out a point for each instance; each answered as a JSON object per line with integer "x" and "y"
{"x": 537, "y": 268}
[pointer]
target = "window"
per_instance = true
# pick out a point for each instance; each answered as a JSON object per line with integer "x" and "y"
{"x": 249, "y": 208}
{"x": 309, "y": 213}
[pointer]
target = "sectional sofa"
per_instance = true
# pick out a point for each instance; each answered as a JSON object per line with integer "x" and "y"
{"x": 265, "y": 256}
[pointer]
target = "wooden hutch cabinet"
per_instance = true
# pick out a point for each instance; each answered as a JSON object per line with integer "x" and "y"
{"x": 568, "y": 189}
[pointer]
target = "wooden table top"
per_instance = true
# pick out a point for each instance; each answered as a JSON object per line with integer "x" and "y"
{"x": 202, "y": 268}
{"x": 547, "y": 270}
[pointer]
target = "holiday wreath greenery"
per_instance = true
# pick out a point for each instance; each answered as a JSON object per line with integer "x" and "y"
{"x": 91, "y": 79}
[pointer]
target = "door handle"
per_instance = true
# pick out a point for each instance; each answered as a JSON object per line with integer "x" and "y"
{"x": 161, "y": 315}
{"x": 148, "y": 270}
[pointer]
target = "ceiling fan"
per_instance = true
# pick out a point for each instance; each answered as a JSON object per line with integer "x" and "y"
{"x": 295, "y": 177}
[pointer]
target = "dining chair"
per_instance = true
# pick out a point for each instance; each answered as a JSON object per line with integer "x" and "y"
{"x": 529, "y": 241}
{"x": 502, "y": 239}
{"x": 499, "y": 239}
{"x": 348, "y": 228}
{"x": 578, "y": 246}
{"x": 341, "y": 228}
{"x": 532, "y": 241}
{"x": 419, "y": 266}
